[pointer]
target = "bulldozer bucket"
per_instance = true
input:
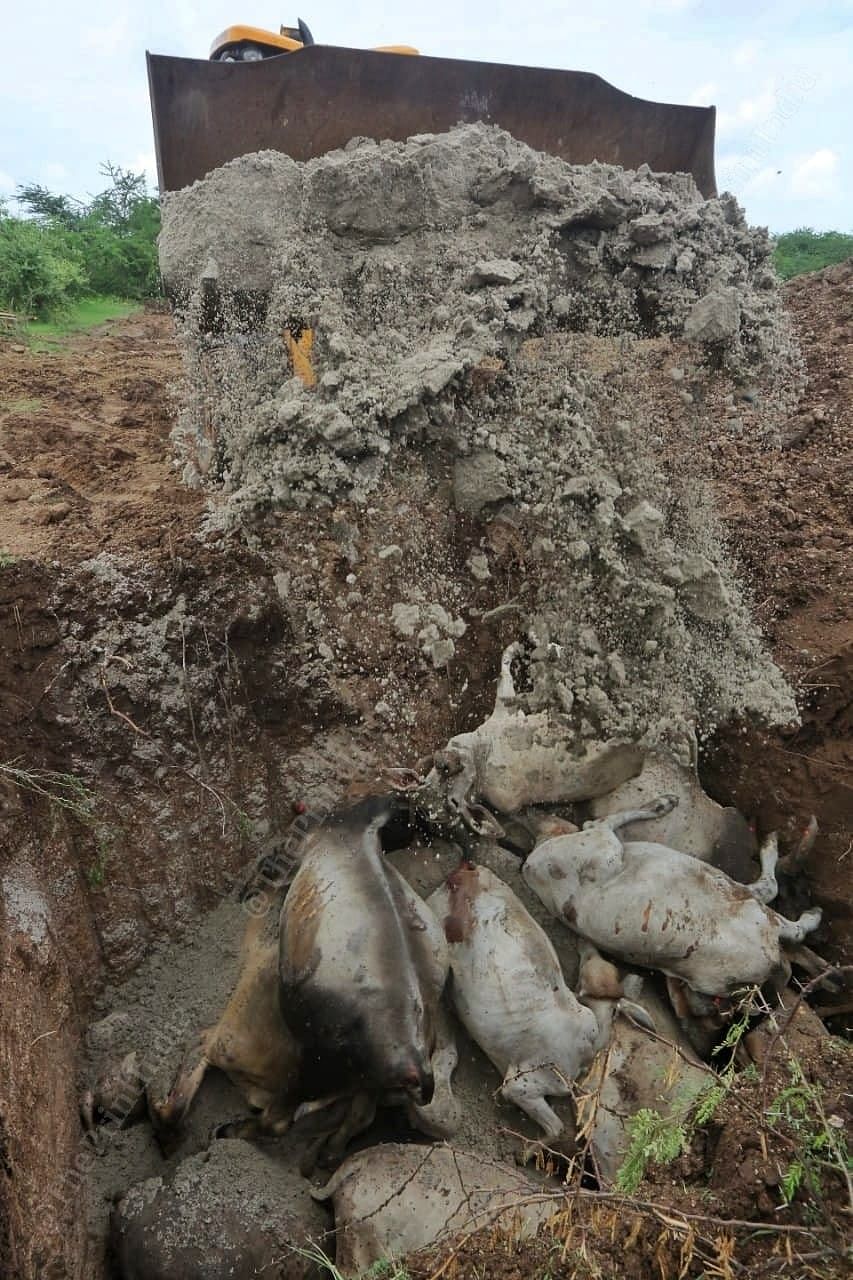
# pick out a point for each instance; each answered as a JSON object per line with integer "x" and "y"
{"x": 317, "y": 99}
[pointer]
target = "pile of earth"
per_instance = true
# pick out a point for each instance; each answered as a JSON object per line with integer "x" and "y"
{"x": 441, "y": 280}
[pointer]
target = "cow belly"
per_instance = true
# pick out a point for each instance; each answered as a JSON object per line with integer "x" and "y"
{"x": 712, "y": 946}
{"x": 504, "y": 1009}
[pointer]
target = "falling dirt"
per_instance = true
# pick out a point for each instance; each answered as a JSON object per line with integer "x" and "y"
{"x": 169, "y": 691}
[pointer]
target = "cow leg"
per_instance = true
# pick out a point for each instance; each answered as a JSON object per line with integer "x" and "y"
{"x": 311, "y": 1108}
{"x": 440, "y": 1118}
{"x": 277, "y": 1117}
{"x": 275, "y": 1120}
{"x": 360, "y": 1116}
{"x": 765, "y": 887}
{"x": 657, "y": 809}
{"x": 815, "y": 965}
{"x": 796, "y": 930}
{"x": 524, "y": 1089}
{"x": 506, "y": 685}
{"x": 169, "y": 1113}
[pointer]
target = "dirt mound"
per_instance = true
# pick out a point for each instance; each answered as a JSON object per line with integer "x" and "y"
{"x": 412, "y": 262}
{"x": 790, "y": 517}
{"x": 446, "y": 254}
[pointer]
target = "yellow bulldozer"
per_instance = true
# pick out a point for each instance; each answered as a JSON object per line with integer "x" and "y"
{"x": 259, "y": 90}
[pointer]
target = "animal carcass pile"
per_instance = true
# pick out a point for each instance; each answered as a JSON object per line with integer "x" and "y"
{"x": 545, "y": 927}
{"x": 361, "y": 997}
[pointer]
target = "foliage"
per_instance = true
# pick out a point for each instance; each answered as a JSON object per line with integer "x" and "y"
{"x": 818, "y": 1144}
{"x": 796, "y": 1114}
{"x": 68, "y": 248}
{"x": 41, "y": 268}
{"x": 43, "y": 335}
{"x": 659, "y": 1139}
{"x": 805, "y": 250}
{"x": 383, "y": 1269}
{"x": 653, "y": 1139}
{"x": 97, "y": 872}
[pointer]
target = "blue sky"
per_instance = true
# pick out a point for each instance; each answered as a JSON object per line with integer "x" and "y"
{"x": 73, "y": 91}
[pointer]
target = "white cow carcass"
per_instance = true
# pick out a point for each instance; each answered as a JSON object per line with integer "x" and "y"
{"x": 515, "y": 759}
{"x": 696, "y": 825}
{"x": 653, "y": 906}
{"x": 510, "y": 994}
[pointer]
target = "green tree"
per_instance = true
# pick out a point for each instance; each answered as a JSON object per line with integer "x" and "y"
{"x": 114, "y": 234}
{"x": 53, "y": 210}
{"x": 41, "y": 268}
{"x": 805, "y": 250}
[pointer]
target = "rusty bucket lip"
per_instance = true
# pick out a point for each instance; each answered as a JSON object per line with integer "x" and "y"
{"x": 315, "y": 100}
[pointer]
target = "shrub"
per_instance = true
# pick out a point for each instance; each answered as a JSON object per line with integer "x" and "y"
{"x": 41, "y": 269}
{"x": 805, "y": 250}
{"x": 113, "y": 236}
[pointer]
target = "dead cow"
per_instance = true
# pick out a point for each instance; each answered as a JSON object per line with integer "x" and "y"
{"x": 509, "y": 991}
{"x": 697, "y": 825}
{"x": 392, "y": 1200}
{"x": 637, "y": 1070}
{"x": 250, "y": 1043}
{"x": 515, "y": 759}
{"x": 660, "y": 908}
{"x": 363, "y": 964}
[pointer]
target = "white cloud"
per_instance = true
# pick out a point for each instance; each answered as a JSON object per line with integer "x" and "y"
{"x": 766, "y": 179}
{"x": 7, "y": 182}
{"x": 704, "y": 96}
{"x": 55, "y": 172}
{"x": 816, "y": 176}
{"x": 748, "y": 113}
{"x": 745, "y": 54}
{"x": 109, "y": 38}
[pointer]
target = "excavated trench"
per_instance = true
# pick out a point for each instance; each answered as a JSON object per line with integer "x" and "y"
{"x": 522, "y": 369}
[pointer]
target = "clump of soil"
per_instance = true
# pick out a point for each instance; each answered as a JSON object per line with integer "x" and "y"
{"x": 423, "y": 270}
{"x": 412, "y": 262}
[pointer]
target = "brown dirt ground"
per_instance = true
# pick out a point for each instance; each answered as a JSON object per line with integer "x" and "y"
{"x": 84, "y": 454}
{"x": 85, "y": 468}
{"x": 790, "y": 516}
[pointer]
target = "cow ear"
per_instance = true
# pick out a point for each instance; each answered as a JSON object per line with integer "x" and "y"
{"x": 598, "y": 978}
{"x": 483, "y": 822}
